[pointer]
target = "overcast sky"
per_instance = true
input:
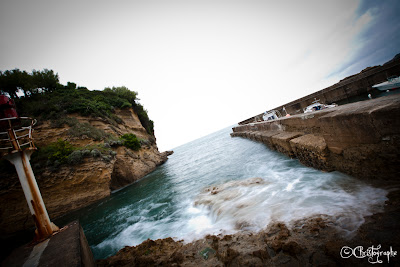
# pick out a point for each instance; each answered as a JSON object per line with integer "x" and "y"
{"x": 200, "y": 65}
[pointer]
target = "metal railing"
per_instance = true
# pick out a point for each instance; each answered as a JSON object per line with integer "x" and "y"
{"x": 16, "y": 137}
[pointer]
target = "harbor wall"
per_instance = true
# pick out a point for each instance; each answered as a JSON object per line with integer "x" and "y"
{"x": 360, "y": 139}
{"x": 355, "y": 85}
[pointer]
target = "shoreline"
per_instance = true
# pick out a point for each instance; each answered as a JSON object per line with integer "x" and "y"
{"x": 312, "y": 241}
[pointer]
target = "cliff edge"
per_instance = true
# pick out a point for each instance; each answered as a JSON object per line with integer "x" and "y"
{"x": 80, "y": 160}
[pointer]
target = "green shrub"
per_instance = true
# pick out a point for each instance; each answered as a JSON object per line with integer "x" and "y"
{"x": 131, "y": 141}
{"x": 144, "y": 118}
{"x": 60, "y": 122}
{"x": 85, "y": 129}
{"x": 62, "y": 152}
{"x": 75, "y": 157}
{"x": 95, "y": 153}
{"x": 57, "y": 151}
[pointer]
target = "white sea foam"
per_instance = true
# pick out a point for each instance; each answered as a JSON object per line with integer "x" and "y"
{"x": 253, "y": 203}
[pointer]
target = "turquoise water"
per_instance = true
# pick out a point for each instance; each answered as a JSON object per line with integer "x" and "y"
{"x": 210, "y": 186}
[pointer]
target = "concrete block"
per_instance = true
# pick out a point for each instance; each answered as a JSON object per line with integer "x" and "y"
{"x": 267, "y": 138}
{"x": 312, "y": 151}
{"x": 258, "y": 136}
{"x": 281, "y": 142}
{"x": 242, "y": 134}
{"x": 251, "y": 135}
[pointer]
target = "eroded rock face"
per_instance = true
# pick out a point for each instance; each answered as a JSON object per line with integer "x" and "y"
{"x": 69, "y": 187}
{"x": 131, "y": 166}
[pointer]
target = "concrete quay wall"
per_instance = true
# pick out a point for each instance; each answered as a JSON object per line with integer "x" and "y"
{"x": 360, "y": 139}
{"x": 351, "y": 86}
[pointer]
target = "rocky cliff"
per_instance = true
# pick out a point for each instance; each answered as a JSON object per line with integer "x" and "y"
{"x": 98, "y": 167}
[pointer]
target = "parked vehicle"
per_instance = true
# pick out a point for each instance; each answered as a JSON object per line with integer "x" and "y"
{"x": 271, "y": 115}
{"x": 316, "y": 105}
{"x": 392, "y": 83}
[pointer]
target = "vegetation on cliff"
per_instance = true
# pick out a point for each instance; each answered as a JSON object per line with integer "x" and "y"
{"x": 43, "y": 97}
{"x": 131, "y": 141}
{"x": 40, "y": 95}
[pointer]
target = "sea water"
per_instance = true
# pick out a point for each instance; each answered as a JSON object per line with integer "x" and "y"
{"x": 222, "y": 185}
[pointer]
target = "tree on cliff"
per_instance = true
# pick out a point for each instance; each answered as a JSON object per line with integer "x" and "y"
{"x": 14, "y": 81}
{"x": 47, "y": 99}
{"x": 124, "y": 93}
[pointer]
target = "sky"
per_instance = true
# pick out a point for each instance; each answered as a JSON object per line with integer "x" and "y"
{"x": 200, "y": 65}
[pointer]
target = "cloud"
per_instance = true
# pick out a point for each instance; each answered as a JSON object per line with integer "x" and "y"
{"x": 378, "y": 41}
{"x": 199, "y": 65}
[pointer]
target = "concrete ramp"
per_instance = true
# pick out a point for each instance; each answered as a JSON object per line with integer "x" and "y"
{"x": 68, "y": 247}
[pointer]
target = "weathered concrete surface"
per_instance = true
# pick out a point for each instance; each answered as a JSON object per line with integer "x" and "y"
{"x": 68, "y": 247}
{"x": 267, "y": 138}
{"x": 361, "y": 139}
{"x": 313, "y": 150}
{"x": 364, "y": 138}
{"x": 281, "y": 142}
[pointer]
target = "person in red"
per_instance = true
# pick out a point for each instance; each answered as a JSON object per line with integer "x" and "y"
{"x": 7, "y": 110}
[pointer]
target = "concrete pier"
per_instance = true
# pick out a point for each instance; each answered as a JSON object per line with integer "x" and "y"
{"x": 349, "y": 87}
{"x": 361, "y": 139}
{"x": 68, "y": 247}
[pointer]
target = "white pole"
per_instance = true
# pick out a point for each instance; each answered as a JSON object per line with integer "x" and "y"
{"x": 20, "y": 159}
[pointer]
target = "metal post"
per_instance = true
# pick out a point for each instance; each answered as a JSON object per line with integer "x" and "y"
{"x": 32, "y": 194}
{"x": 20, "y": 159}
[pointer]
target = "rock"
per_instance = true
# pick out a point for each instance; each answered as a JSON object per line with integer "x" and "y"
{"x": 262, "y": 254}
{"x": 292, "y": 248}
{"x": 168, "y": 153}
{"x": 227, "y": 256}
{"x": 161, "y": 252}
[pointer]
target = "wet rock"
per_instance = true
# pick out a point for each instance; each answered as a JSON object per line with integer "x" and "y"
{"x": 227, "y": 256}
{"x": 320, "y": 259}
{"x": 292, "y": 248}
{"x": 207, "y": 252}
{"x": 262, "y": 254}
{"x": 276, "y": 245}
{"x": 284, "y": 260}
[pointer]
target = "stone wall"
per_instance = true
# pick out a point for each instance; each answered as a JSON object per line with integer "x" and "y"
{"x": 361, "y": 139}
{"x": 358, "y": 84}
